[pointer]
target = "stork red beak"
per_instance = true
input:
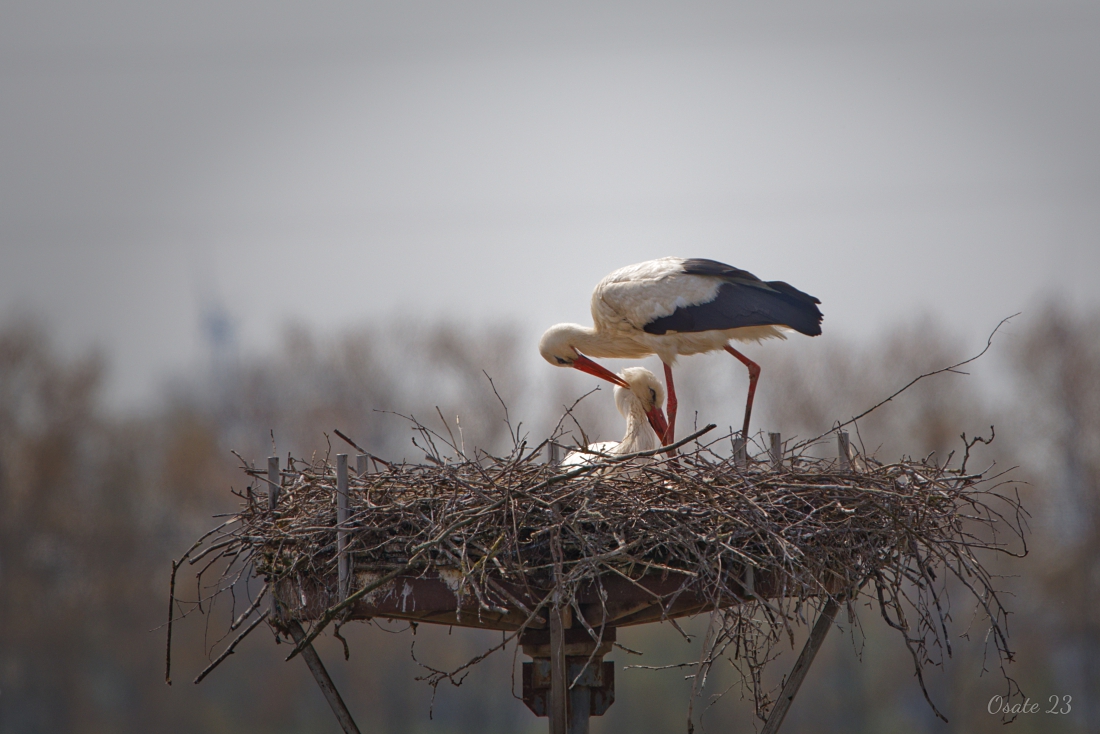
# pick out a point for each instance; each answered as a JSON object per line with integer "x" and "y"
{"x": 584, "y": 364}
{"x": 657, "y": 420}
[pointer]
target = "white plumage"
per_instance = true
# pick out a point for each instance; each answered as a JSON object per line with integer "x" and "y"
{"x": 675, "y": 306}
{"x": 640, "y": 404}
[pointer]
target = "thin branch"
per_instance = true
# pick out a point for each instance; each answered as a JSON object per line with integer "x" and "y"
{"x": 229, "y": 650}
{"x": 953, "y": 368}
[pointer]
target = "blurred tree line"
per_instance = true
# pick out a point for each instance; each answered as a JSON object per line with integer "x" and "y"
{"x": 93, "y": 507}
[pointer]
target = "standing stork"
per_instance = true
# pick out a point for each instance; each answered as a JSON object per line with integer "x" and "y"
{"x": 640, "y": 404}
{"x": 675, "y": 306}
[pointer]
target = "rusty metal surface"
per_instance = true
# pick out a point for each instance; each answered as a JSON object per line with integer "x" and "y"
{"x": 432, "y": 597}
{"x": 616, "y": 601}
{"x": 598, "y": 677}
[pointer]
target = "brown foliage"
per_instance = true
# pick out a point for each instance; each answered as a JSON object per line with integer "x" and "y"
{"x": 92, "y": 507}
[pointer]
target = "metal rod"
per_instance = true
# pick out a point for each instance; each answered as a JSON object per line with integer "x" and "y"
{"x": 740, "y": 456}
{"x": 313, "y": 660}
{"x": 558, "y": 712}
{"x": 341, "y": 519}
{"x": 801, "y": 666}
{"x": 553, "y": 455}
{"x": 776, "y": 450}
{"x": 843, "y": 449}
{"x": 274, "y": 482}
{"x": 580, "y": 708}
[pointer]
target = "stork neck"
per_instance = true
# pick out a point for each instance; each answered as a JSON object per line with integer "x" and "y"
{"x": 585, "y": 340}
{"x": 639, "y": 434}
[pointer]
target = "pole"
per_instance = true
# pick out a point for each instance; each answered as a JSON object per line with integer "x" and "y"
{"x": 274, "y": 482}
{"x": 313, "y": 660}
{"x": 843, "y": 449}
{"x": 776, "y": 450}
{"x": 341, "y": 530}
{"x": 801, "y": 667}
{"x": 559, "y": 702}
{"x": 740, "y": 455}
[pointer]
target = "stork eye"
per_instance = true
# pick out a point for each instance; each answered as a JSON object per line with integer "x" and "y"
{"x": 562, "y": 360}
{"x": 653, "y": 395}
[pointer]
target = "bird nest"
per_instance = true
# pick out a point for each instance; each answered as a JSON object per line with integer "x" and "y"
{"x": 622, "y": 541}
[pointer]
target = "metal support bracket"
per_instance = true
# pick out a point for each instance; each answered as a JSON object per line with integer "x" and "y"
{"x": 598, "y": 680}
{"x": 587, "y": 681}
{"x": 801, "y": 667}
{"x": 313, "y": 660}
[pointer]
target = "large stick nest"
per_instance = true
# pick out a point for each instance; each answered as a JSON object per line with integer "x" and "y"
{"x": 899, "y": 534}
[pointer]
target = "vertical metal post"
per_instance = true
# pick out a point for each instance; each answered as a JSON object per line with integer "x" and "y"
{"x": 580, "y": 707}
{"x": 776, "y": 450}
{"x": 553, "y": 457}
{"x": 740, "y": 455}
{"x": 559, "y": 701}
{"x": 843, "y": 448}
{"x": 341, "y": 530}
{"x": 558, "y": 712}
{"x": 588, "y": 680}
{"x": 274, "y": 482}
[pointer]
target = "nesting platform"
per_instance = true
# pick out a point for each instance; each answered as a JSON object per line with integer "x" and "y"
{"x": 559, "y": 559}
{"x": 437, "y": 597}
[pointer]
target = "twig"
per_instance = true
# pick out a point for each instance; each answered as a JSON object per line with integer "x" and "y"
{"x": 171, "y": 613}
{"x": 914, "y": 381}
{"x": 229, "y": 650}
{"x": 347, "y": 440}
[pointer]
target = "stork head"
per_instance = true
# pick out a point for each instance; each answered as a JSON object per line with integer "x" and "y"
{"x": 557, "y": 347}
{"x": 644, "y": 387}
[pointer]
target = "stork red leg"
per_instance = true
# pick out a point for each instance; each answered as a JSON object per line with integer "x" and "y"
{"x": 754, "y": 375}
{"x": 670, "y": 434}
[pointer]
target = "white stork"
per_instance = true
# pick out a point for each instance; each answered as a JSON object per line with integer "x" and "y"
{"x": 640, "y": 404}
{"x": 676, "y": 306}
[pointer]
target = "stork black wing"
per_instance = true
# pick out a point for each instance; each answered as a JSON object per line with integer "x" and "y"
{"x": 702, "y": 266}
{"x": 743, "y": 300}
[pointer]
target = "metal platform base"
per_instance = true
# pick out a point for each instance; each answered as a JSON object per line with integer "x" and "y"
{"x": 589, "y": 679}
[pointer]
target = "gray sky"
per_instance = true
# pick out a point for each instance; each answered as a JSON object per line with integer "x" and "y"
{"x": 347, "y": 164}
